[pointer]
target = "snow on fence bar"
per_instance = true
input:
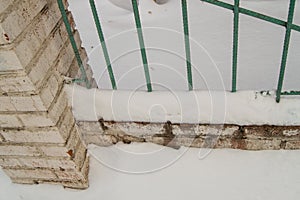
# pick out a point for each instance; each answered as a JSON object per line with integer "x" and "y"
{"x": 237, "y": 10}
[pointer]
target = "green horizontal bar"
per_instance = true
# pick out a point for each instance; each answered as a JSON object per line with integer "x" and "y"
{"x": 295, "y": 27}
{"x": 220, "y": 3}
{"x": 73, "y": 43}
{"x": 262, "y": 17}
{"x": 253, "y": 14}
{"x": 291, "y": 93}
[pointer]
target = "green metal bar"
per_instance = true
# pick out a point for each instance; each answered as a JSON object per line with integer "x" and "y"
{"x": 219, "y": 3}
{"x": 103, "y": 44}
{"x": 142, "y": 43}
{"x": 291, "y": 93}
{"x": 73, "y": 43}
{"x": 295, "y": 27}
{"x": 235, "y": 43}
{"x": 285, "y": 48}
{"x": 262, "y": 17}
{"x": 187, "y": 43}
{"x": 253, "y": 14}
{"x": 78, "y": 80}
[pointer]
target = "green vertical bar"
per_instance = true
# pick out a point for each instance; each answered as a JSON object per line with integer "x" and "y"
{"x": 73, "y": 43}
{"x": 187, "y": 43}
{"x": 142, "y": 43}
{"x": 285, "y": 48}
{"x": 235, "y": 43}
{"x": 103, "y": 44}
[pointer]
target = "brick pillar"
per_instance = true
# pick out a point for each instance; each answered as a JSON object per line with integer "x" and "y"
{"x": 39, "y": 141}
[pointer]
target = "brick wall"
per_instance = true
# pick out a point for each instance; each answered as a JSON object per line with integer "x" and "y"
{"x": 39, "y": 140}
{"x": 267, "y": 137}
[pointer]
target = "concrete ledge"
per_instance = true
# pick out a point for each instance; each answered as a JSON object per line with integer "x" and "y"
{"x": 106, "y": 133}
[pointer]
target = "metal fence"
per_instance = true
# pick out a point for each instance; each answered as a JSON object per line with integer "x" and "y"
{"x": 237, "y": 10}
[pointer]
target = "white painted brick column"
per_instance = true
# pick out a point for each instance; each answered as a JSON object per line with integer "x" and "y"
{"x": 39, "y": 140}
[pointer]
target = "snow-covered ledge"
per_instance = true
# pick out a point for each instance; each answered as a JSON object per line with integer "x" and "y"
{"x": 245, "y": 120}
{"x": 200, "y": 107}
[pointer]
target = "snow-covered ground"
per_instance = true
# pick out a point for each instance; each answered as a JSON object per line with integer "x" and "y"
{"x": 223, "y": 174}
{"x": 260, "y": 45}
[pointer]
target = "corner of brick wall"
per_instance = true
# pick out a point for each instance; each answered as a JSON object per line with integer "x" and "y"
{"x": 39, "y": 140}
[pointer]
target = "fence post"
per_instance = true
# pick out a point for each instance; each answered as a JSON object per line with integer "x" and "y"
{"x": 142, "y": 43}
{"x": 187, "y": 43}
{"x": 285, "y": 48}
{"x": 235, "y": 43}
{"x": 103, "y": 44}
{"x": 73, "y": 43}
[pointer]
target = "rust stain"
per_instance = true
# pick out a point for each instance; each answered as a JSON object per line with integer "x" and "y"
{"x": 6, "y": 37}
{"x": 70, "y": 152}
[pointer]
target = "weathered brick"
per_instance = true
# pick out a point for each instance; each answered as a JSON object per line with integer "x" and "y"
{"x": 39, "y": 71}
{"x": 9, "y": 60}
{"x": 48, "y": 92}
{"x": 77, "y": 146}
{"x": 19, "y": 18}
{"x": 90, "y": 127}
{"x": 66, "y": 124}
{"x": 50, "y": 17}
{"x": 4, "y": 5}
{"x": 6, "y": 104}
{"x": 69, "y": 175}
{"x": 30, "y": 181}
{"x": 27, "y": 48}
{"x": 56, "y": 82}
{"x": 47, "y": 163}
{"x": 59, "y": 106}
{"x": 80, "y": 184}
{"x": 52, "y": 135}
{"x": 100, "y": 140}
{"x": 1, "y": 139}
{"x": 24, "y": 180}
{"x": 74, "y": 71}
{"x": 73, "y": 139}
{"x": 7, "y": 120}
{"x": 16, "y": 84}
{"x": 292, "y": 145}
{"x": 55, "y": 151}
{"x": 263, "y": 144}
{"x": 80, "y": 153}
{"x": 47, "y": 59}
{"x": 30, "y": 103}
{"x": 43, "y": 174}
{"x": 65, "y": 60}
{"x": 10, "y": 162}
{"x": 11, "y": 150}
{"x": 73, "y": 175}
{"x": 36, "y": 120}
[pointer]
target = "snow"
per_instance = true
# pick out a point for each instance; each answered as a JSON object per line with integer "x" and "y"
{"x": 204, "y": 107}
{"x": 222, "y": 174}
{"x": 260, "y": 45}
